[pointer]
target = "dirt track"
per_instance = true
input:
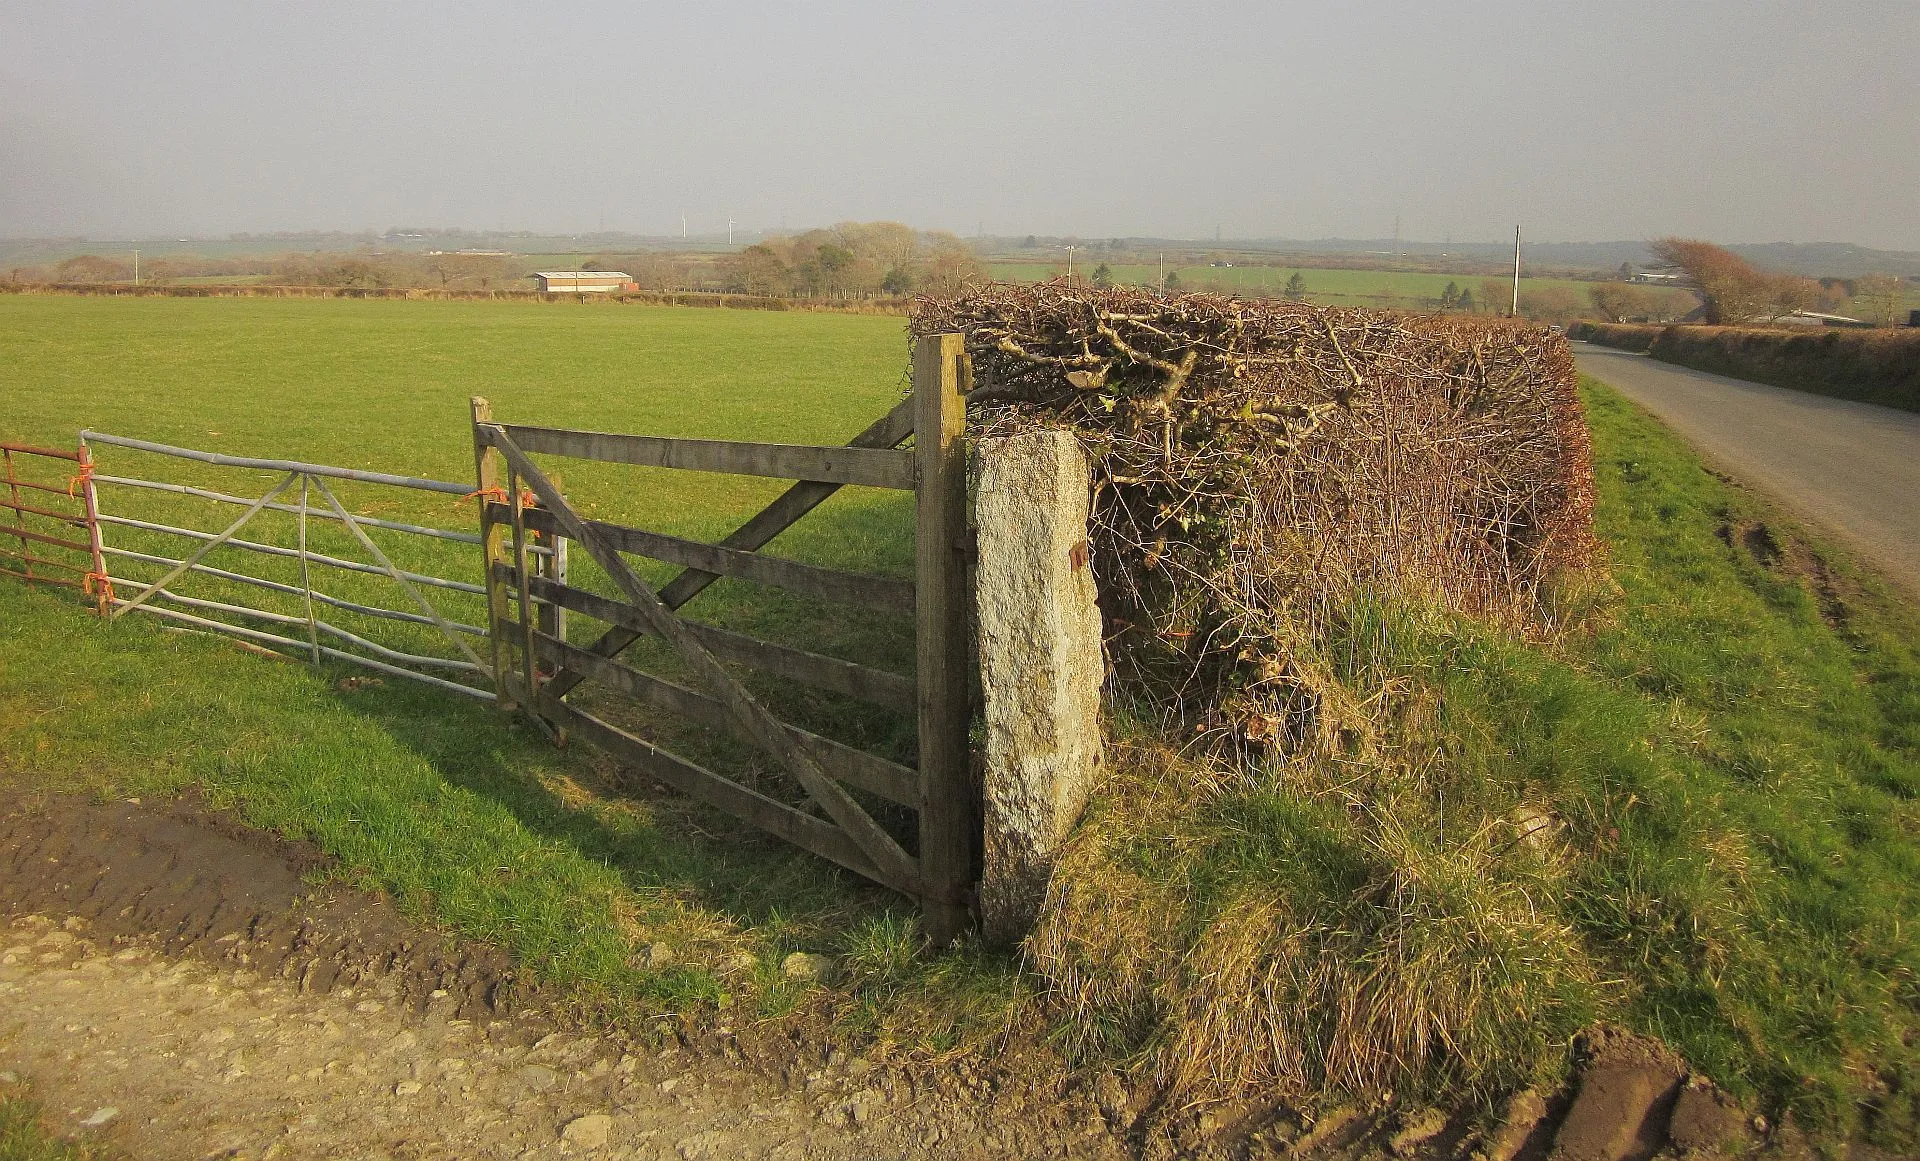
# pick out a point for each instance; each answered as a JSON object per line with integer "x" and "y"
{"x": 171, "y": 986}
{"x": 1852, "y": 467}
{"x": 167, "y": 976}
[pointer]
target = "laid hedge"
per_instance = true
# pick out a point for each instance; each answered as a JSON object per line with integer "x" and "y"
{"x": 1626, "y": 336}
{"x": 1264, "y": 468}
{"x": 1872, "y": 366}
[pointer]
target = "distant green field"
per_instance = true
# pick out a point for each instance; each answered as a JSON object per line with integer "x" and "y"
{"x": 1399, "y": 289}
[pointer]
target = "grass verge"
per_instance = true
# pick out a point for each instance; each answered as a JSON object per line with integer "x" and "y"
{"x": 1691, "y": 812}
{"x": 24, "y": 1135}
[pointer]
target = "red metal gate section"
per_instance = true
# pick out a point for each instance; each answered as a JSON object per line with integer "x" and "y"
{"x": 50, "y": 492}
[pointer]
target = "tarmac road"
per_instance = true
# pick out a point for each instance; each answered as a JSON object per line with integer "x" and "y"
{"x": 1853, "y": 468}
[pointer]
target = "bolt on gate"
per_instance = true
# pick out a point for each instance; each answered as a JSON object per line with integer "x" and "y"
{"x": 939, "y": 874}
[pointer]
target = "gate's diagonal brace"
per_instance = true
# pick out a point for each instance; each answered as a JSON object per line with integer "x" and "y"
{"x": 752, "y": 719}
{"x": 380, "y": 558}
{"x": 199, "y": 554}
{"x": 890, "y": 430}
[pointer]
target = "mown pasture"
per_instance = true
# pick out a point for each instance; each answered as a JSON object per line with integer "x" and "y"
{"x": 1768, "y": 702}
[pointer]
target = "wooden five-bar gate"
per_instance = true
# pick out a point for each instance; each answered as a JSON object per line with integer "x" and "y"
{"x": 537, "y": 668}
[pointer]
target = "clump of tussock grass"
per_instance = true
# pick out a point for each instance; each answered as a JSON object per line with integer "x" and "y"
{"x": 1328, "y": 923}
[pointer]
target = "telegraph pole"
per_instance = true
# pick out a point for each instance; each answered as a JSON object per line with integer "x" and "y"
{"x": 1516, "y": 272}
{"x": 136, "y": 267}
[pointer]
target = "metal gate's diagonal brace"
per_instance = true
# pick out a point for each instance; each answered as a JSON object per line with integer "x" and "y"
{"x": 200, "y": 553}
{"x": 890, "y": 430}
{"x": 380, "y": 558}
{"x": 753, "y": 720}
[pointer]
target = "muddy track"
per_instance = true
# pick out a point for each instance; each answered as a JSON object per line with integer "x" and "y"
{"x": 196, "y": 882}
{"x": 178, "y": 985}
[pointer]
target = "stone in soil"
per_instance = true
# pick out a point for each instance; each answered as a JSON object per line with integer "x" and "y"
{"x": 1627, "y": 1090}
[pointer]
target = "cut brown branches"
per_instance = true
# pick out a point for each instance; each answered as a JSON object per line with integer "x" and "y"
{"x": 1260, "y": 466}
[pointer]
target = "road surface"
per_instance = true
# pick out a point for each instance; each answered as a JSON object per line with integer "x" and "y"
{"x": 1853, "y": 468}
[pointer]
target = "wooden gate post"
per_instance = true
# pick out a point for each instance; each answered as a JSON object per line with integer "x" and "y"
{"x": 493, "y": 550}
{"x": 949, "y": 817}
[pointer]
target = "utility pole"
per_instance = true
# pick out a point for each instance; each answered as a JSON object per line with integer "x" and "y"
{"x": 1070, "y": 250}
{"x": 729, "y": 231}
{"x": 136, "y": 267}
{"x": 1516, "y": 273}
{"x": 683, "y": 227}
{"x": 1160, "y": 271}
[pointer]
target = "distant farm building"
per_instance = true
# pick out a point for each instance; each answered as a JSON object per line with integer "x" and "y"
{"x": 584, "y": 281}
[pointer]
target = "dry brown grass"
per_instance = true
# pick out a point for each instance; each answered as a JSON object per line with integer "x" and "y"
{"x": 1226, "y": 951}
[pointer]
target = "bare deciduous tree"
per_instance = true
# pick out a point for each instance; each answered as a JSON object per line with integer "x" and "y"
{"x": 1734, "y": 291}
{"x": 1879, "y": 297}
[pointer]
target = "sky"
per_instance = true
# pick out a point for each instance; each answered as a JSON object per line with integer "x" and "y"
{"x": 1748, "y": 121}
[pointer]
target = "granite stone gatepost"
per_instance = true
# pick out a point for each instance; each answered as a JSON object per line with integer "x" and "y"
{"x": 1041, "y": 667}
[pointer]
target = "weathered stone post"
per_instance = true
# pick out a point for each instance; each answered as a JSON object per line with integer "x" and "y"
{"x": 1040, "y": 665}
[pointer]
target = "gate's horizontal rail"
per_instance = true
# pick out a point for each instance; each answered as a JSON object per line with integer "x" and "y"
{"x": 290, "y": 590}
{"x": 43, "y": 538}
{"x": 29, "y": 484}
{"x": 291, "y": 509}
{"x": 75, "y": 519}
{"x": 52, "y": 453}
{"x": 33, "y": 562}
{"x": 875, "y": 592}
{"x": 777, "y": 818}
{"x": 293, "y": 554}
{"x": 873, "y": 467}
{"x": 22, "y": 554}
{"x": 865, "y": 683}
{"x": 326, "y": 470}
{"x": 854, "y": 766}
{"x": 888, "y": 431}
{"x": 395, "y": 655}
{"x": 288, "y": 645}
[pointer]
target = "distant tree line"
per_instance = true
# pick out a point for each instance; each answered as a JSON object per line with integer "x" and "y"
{"x": 855, "y": 259}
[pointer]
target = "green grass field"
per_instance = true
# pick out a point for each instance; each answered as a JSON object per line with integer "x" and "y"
{"x": 370, "y": 387}
{"x": 1734, "y": 737}
{"x": 1399, "y": 289}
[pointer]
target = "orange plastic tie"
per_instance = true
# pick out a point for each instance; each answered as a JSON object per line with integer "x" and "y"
{"x": 80, "y": 480}
{"x": 497, "y": 494}
{"x": 98, "y": 584}
{"x": 528, "y": 499}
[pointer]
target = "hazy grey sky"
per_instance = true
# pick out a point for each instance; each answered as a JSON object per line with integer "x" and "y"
{"x": 1738, "y": 121}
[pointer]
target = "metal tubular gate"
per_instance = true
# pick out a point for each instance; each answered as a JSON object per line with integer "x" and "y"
{"x": 940, "y": 875}
{"x": 76, "y": 488}
{"x": 306, "y": 481}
